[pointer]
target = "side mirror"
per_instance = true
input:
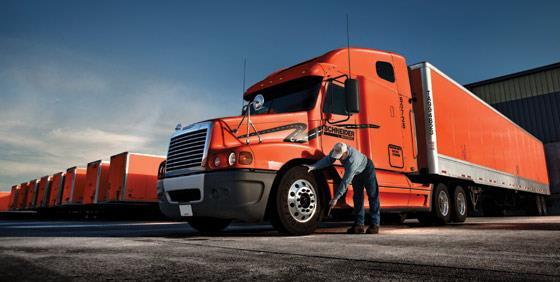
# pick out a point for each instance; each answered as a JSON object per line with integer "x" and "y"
{"x": 352, "y": 93}
{"x": 258, "y": 102}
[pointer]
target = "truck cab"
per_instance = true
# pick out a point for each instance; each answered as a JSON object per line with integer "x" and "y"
{"x": 249, "y": 167}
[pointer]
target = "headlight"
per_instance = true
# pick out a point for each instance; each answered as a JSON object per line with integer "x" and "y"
{"x": 231, "y": 158}
{"x": 245, "y": 158}
{"x": 217, "y": 161}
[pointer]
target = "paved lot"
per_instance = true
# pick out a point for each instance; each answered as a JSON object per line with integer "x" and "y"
{"x": 514, "y": 248}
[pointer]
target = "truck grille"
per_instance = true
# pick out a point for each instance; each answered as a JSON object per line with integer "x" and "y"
{"x": 187, "y": 150}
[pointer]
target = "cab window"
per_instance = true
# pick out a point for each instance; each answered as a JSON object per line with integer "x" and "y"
{"x": 292, "y": 96}
{"x": 335, "y": 101}
{"x": 385, "y": 71}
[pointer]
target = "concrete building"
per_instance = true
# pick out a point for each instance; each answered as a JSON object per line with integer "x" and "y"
{"x": 531, "y": 99}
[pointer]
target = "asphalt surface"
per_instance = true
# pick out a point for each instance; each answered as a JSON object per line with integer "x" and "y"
{"x": 512, "y": 248}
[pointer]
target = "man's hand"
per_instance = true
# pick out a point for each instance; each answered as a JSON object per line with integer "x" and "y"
{"x": 332, "y": 203}
{"x": 309, "y": 168}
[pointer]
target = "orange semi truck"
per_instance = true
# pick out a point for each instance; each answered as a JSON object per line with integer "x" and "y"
{"x": 438, "y": 149}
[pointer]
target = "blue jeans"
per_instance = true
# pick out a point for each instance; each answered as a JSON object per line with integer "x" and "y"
{"x": 368, "y": 180}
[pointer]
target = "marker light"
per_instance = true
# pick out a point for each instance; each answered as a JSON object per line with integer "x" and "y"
{"x": 217, "y": 161}
{"x": 161, "y": 170}
{"x": 245, "y": 158}
{"x": 231, "y": 158}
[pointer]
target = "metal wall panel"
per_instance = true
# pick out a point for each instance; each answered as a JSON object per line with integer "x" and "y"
{"x": 529, "y": 85}
{"x": 540, "y": 115}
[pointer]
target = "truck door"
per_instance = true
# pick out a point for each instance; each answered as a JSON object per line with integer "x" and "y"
{"x": 383, "y": 107}
{"x": 337, "y": 125}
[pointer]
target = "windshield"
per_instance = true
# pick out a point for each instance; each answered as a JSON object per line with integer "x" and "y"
{"x": 292, "y": 96}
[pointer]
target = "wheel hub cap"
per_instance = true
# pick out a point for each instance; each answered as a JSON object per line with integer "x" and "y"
{"x": 461, "y": 203}
{"x": 443, "y": 203}
{"x": 302, "y": 200}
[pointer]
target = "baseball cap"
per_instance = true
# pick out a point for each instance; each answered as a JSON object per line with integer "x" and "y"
{"x": 338, "y": 150}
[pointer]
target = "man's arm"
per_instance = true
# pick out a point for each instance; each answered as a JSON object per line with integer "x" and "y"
{"x": 346, "y": 180}
{"x": 324, "y": 162}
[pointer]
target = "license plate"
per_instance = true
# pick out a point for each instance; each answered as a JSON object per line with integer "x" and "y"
{"x": 186, "y": 210}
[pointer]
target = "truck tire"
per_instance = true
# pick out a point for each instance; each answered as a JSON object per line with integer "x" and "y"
{"x": 297, "y": 205}
{"x": 441, "y": 207}
{"x": 459, "y": 209}
{"x": 441, "y": 204}
{"x": 209, "y": 225}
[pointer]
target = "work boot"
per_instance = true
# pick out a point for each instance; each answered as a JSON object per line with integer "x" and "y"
{"x": 373, "y": 229}
{"x": 356, "y": 229}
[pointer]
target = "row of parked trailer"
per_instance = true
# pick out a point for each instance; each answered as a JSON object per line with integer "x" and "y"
{"x": 126, "y": 178}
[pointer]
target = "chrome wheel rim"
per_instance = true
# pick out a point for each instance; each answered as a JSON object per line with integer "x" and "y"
{"x": 461, "y": 203}
{"x": 443, "y": 202}
{"x": 302, "y": 200}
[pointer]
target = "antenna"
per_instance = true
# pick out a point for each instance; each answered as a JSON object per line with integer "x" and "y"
{"x": 348, "y": 46}
{"x": 244, "y": 74}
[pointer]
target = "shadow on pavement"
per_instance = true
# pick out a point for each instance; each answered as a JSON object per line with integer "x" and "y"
{"x": 176, "y": 230}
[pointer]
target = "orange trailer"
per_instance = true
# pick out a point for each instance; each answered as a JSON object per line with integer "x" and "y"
{"x": 133, "y": 177}
{"x": 32, "y": 194}
{"x": 5, "y": 201}
{"x": 437, "y": 148}
{"x": 74, "y": 184}
{"x": 97, "y": 182}
{"x": 22, "y": 196}
{"x": 465, "y": 138}
{"x": 43, "y": 191}
{"x": 14, "y": 197}
{"x": 57, "y": 188}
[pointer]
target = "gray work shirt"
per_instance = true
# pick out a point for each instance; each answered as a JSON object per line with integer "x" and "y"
{"x": 354, "y": 164}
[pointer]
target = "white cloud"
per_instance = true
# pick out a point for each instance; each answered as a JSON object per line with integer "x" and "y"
{"x": 59, "y": 109}
{"x": 94, "y": 136}
{"x": 18, "y": 168}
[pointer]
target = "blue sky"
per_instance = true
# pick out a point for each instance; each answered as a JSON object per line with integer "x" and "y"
{"x": 82, "y": 80}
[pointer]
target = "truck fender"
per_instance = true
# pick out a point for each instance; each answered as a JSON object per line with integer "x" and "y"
{"x": 321, "y": 178}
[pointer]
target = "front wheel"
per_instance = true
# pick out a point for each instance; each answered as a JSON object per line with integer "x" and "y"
{"x": 297, "y": 204}
{"x": 209, "y": 224}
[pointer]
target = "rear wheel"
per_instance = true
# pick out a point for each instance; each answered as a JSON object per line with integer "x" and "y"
{"x": 441, "y": 207}
{"x": 460, "y": 205}
{"x": 209, "y": 224}
{"x": 297, "y": 203}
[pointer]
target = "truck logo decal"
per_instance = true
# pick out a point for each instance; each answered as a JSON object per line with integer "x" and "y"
{"x": 338, "y": 132}
{"x": 401, "y": 109}
{"x": 343, "y": 131}
{"x": 299, "y": 127}
{"x": 358, "y": 126}
{"x": 429, "y": 115}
